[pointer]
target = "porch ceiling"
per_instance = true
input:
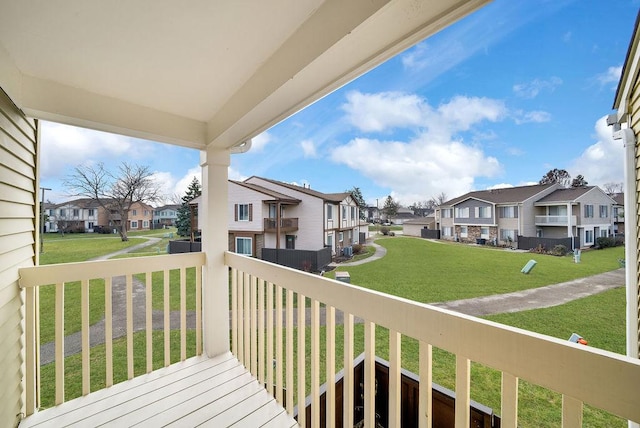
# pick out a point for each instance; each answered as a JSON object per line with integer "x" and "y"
{"x": 201, "y": 72}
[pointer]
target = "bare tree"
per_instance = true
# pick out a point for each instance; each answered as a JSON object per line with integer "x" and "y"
{"x": 613, "y": 188}
{"x": 115, "y": 193}
{"x": 438, "y": 200}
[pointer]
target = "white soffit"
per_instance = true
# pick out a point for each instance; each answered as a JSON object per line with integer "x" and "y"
{"x": 199, "y": 72}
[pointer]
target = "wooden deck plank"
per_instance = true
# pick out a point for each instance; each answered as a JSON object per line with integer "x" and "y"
{"x": 215, "y": 392}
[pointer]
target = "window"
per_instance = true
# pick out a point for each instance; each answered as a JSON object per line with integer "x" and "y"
{"x": 243, "y": 212}
{"x": 92, "y": 212}
{"x": 447, "y": 231}
{"x": 244, "y": 246}
{"x": 329, "y": 240}
{"x": 508, "y": 212}
{"x": 329, "y": 212}
{"x": 618, "y": 212}
{"x": 353, "y": 213}
{"x": 52, "y": 212}
{"x": 134, "y": 212}
{"x": 134, "y": 224}
{"x": 464, "y": 232}
{"x": 90, "y": 225}
{"x": 344, "y": 212}
{"x": 76, "y": 212}
{"x": 146, "y": 213}
{"x": 145, "y": 224}
{"x": 588, "y": 236}
{"x": 446, "y": 213}
{"x": 340, "y": 237}
{"x": 588, "y": 211}
{"x": 483, "y": 212}
{"x": 484, "y": 232}
{"x": 604, "y": 211}
{"x": 604, "y": 232}
{"x": 272, "y": 211}
{"x": 507, "y": 235}
{"x": 63, "y": 212}
{"x": 462, "y": 212}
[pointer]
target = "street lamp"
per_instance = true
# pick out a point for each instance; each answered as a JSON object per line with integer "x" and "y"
{"x": 42, "y": 220}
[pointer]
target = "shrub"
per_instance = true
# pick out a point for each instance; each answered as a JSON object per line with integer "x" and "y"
{"x": 384, "y": 230}
{"x": 357, "y": 248}
{"x": 606, "y": 242}
{"x": 559, "y": 250}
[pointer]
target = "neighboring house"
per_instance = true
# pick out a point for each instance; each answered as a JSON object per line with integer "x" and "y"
{"x": 414, "y": 227}
{"x": 166, "y": 215}
{"x": 618, "y": 214}
{"x": 373, "y": 214}
{"x": 544, "y": 211}
{"x": 265, "y": 213}
{"x": 583, "y": 212}
{"x": 140, "y": 216}
{"x": 497, "y": 215}
{"x": 78, "y": 215}
{"x": 402, "y": 215}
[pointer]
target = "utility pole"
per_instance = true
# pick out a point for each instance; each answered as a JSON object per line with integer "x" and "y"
{"x": 42, "y": 220}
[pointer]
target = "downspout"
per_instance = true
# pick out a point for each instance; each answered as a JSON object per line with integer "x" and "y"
{"x": 630, "y": 230}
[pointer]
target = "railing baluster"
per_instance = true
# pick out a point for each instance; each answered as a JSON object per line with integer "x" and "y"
{"x": 261, "y": 345}
{"x": 32, "y": 351}
{"x": 86, "y": 346}
{"x": 369, "y": 374}
{"x": 198, "y": 310}
{"x": 302, "y": 382}
{"x": 279, "y": 353}
{"x": 234, "y": 311}
{"x": 241, "y": 321}
{"x": 148, "y": 303}
{"x": 290, "y": 363}
{"x": 59, "y": 337}
{"x": 129, "y": 327}
{"x": 167, "y": 317}
{"x": 247, "y": 321}
{"x": 571, "y": 412}
{"x": 269, "y": 359}
{"x": 395, "y": 365}
{"x": 509, "y": 406}
{"x": 425, "y": 393}
{"x": 331, "y": 365}
{"x": 253, "y": 367}
{"x": 108, "y": 330}
{"x": 183, "y": 313}
{"x": 348, "y": 381}
{"x": 315, "y": 364}
{"x": 463, "y": 393}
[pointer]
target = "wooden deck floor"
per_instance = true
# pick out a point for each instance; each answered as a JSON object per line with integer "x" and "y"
{"x": 216, "y": 392}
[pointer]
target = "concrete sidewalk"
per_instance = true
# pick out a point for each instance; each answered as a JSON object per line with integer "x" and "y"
{"x": 543, "y": 297}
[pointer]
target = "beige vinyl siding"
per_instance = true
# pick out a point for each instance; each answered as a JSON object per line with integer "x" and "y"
{"x": 18, "y": 140}
{"x": 634, "y": 107}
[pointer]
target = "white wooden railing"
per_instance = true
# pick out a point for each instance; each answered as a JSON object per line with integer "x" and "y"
{"x": 581, "y": 374}
{"x": 34, "y": 278}
{"x": 555, "y": 220}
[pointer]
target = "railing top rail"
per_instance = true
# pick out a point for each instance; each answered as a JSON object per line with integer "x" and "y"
{"x": 604, "y": 379}
{"x": 66, "y": 272}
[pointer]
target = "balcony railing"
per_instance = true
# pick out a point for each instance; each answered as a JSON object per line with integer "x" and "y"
{"x": 267, "y": 300}
{"x": 555, "y": 220}
{"x": 286, "y": 224}
{"x": 169, "y": 272}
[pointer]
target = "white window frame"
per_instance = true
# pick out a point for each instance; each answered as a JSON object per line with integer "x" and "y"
{"x": 134, "y": 224}
{"x": 243, "y": 212}
{"x": 505, "y": 234}
{"x": 484, "y": 212}
{"x": 484, "y": 235}
{"x": 464, "y": 231}
{"x": 462, "y": 212}
{"x": 604, "y": 211}
{"x": 508, "y": 212}
{"x": 134, "y": 212}
{"x": 604, "y": 233}
{"x": 244, "y": 239}
{"x": 145, "y": 224}
{"x": 588, "y": 211}
{"x": 447, "y": 212}
{"x": 588, "y": 232}
{"x": 341, "y": 237}
{"x": 330, "y": 240}
{"x": 447, "y": 231}
{"x": 329, "y": 212}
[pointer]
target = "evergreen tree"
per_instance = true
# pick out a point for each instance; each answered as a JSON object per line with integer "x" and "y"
{"x": 183, "y": 222}
{"x": 390, "y": 207}
{"x": 356, "y": 194}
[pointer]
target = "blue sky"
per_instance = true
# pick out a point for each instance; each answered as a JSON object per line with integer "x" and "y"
{"x": 497, "y": 99}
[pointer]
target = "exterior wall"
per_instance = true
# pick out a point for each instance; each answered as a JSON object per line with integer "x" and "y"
{"x": 165, "y": 216}
{"x": 242, "y": 195}
{"x": 597, "y": 198}
{"x": 19, "y": 222}
{"x": 473, "y": 205}
{"x": 143, "y": 216}
{"x": 446, "y": 222}
{"x": 412, "y": 229}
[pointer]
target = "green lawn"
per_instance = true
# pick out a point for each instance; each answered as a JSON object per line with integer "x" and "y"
{"x": 427, "y": 271}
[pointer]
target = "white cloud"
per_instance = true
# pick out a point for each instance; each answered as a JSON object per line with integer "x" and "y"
{"x": 234, "y": 174}
{"x": 384, "y": 110}
{"x": 500, "y": 186}
{"x": 535, "y": 116}
{"x": 601, "y": 162}
{"x": 259, "y": 142}
{"x": 436, "y": 160}
{"x": 610, "y": 77}
{"x": 532, "y": 89}
{"x": 308, "y": 148}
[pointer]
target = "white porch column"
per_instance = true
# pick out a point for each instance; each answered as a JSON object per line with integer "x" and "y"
{"x": 213, "y": 221}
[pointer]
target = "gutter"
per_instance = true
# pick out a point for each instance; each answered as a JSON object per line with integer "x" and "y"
{"x": 630, "y": 227}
